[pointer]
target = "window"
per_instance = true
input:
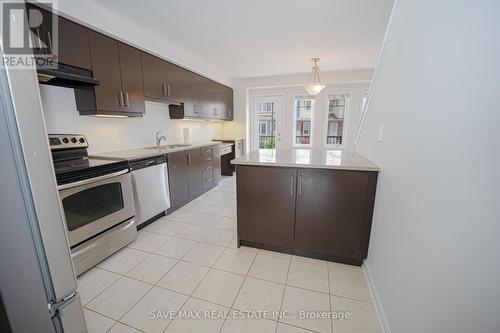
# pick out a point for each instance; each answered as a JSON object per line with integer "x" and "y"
{"x": 304, "y": 108}
{"x": 263, "y": 128}
{"x": 337, "y": 108}
{"x": 266, "y": 107}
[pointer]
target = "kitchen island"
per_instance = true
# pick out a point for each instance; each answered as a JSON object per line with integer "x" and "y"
{"x": 313, "y": 203}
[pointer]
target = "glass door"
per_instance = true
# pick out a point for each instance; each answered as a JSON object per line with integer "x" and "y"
{"x": 266, "y": 129}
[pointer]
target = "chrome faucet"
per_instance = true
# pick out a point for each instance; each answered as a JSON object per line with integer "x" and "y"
{"x": 159, "y": 138}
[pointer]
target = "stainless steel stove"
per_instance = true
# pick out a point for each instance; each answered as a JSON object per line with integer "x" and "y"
{"x": 97, "y": 200}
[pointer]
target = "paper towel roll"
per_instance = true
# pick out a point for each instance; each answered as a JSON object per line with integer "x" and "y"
{"x": 186, "y": 134}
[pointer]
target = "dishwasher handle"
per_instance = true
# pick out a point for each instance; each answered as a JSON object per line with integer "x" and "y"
{"x": 148, "y": 162}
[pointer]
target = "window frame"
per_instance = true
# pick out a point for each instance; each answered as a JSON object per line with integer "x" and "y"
{"x": 347, "y": 111}
{"x": 294, "y": 122}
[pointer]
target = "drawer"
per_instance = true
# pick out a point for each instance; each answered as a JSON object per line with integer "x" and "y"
{"x": 225, "y": 150}
{"x": 208, "y": 183}
{"x": 207, "y": 152}
{"x": 208, "y": 172}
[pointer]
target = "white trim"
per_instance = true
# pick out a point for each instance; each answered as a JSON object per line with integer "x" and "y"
{"x": 278, "y": 113}
{"x": 373, "y": 84}
{"x": 384, "y": 324}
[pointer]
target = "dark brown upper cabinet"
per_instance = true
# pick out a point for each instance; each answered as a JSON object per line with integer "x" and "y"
{"x": 73, "y": 44}
{"x": 118, "y": 68}
{"x": 41, "y": 34}
{"x": 163, "y": 81}
{"x": 126, "y": 75}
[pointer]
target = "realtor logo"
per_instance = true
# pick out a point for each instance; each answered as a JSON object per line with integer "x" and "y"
{"x": 29, "y": 34}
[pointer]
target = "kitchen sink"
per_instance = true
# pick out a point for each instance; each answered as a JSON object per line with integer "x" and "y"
{"x": 167, "y": 147}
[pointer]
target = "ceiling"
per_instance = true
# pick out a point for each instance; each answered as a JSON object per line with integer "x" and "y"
{"x": 246, "y": 38}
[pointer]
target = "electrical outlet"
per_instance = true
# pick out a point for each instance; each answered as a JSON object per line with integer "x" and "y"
{"x": 380, "y": 133}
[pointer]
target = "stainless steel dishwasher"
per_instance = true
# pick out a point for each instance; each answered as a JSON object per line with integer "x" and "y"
{"x": 151, "y": 189}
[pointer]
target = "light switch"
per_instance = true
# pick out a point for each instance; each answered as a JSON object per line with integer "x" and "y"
{"x": 380, "y": 133}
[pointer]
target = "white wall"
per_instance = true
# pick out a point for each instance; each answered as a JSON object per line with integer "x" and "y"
{"x": 288, "y": 85}
{"x": 434, "y": 248}
{"x": 110, "y": 134}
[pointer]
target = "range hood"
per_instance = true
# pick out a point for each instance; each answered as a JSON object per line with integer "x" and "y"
{"x": 66, "y": 76}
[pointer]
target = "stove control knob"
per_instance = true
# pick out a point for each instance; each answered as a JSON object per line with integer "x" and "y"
{"x": 73, "y": 140}
{"x": 65, "y": 140}
{"x": 82, "y": 140}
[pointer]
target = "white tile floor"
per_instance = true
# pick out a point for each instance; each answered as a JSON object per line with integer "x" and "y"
{"x": 189, "y": 261}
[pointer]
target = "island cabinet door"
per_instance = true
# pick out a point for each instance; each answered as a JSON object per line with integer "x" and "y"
{"x": 333, "y": 213}
{"x": 266, "y": 206}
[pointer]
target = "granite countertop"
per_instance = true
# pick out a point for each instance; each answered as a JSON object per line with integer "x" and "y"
{"x": 307, "y": 158}
{"x": 146, "y": 152}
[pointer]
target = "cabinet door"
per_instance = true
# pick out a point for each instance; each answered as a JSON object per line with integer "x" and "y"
{"x": 266, "y": 205}
{"x": 175, "y": 80}
{"x": 195, "y": 173}
{"x": 39, "y": 32}
{"x": 178, "y": 178}
{"x": 131, "y": 74}
{"x": 228, "y": 103}
{"x": 207, "y": 99}
{"x": 192, "y": 95}
{"x": 73, "y": 44}
{"x": 154, "y": 76}
{"x": 331, "y": 212}
{"x": 106, "y": 68}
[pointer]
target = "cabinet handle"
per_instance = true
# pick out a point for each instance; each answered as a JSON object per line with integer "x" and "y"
{"x": 208, "y": 180}
{"x": 300, "y": 184}
{"x": 164, "y": 89}
{"x": 168, "y": 90}
{"x": 127, "y": 102}
{"x": 208, "y": 168}
{"x": 120, "y": 98}
{"x": 189, "y": 159}
{"x": 292, "y": 182}
{"x": 49, "y": 39}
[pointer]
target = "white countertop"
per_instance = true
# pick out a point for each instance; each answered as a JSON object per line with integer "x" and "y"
{"x": 307, "y": 158}
{"x": 146, "y": 152}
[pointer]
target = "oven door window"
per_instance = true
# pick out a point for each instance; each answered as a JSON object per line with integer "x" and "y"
{"x": 92, "y": 204}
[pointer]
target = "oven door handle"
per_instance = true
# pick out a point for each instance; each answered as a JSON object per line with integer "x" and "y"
{"x": 92, "y": 180}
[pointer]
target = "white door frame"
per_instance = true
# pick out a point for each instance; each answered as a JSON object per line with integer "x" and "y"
{"x": 279, "y": 98}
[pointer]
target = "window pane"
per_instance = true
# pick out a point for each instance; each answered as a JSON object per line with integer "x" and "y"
{"x": 267, "y": 125}
{"x": 337, "y": 105}
{"x": 304, "y": 108}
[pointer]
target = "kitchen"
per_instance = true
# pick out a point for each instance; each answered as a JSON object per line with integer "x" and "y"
{"x": 156, "y": 169}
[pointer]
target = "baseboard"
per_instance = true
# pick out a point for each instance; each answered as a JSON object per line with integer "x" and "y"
{"x": 384, "y": 325}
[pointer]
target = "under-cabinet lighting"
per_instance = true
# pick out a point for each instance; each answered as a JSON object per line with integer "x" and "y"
{"x": 109, "y": 116}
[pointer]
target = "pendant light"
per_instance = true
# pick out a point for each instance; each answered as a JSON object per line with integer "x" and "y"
{"x": 314, "y": 86}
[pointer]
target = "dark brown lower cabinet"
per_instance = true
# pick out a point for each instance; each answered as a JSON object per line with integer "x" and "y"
{"x": 266, "y": 206}
{"x": 195, "y": 179}
{"x": 333, "y": 212}
{"x": 318, "y": 213}
{"x": 188, "y": 173}
{"x": 178, "y": 174}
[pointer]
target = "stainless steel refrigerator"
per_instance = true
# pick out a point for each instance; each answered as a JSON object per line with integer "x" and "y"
{"x": 37, "y": 282}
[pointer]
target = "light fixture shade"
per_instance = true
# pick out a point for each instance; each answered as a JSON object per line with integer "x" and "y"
{"x": 314, "y": 89}
{"x": 314, "y": 86}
